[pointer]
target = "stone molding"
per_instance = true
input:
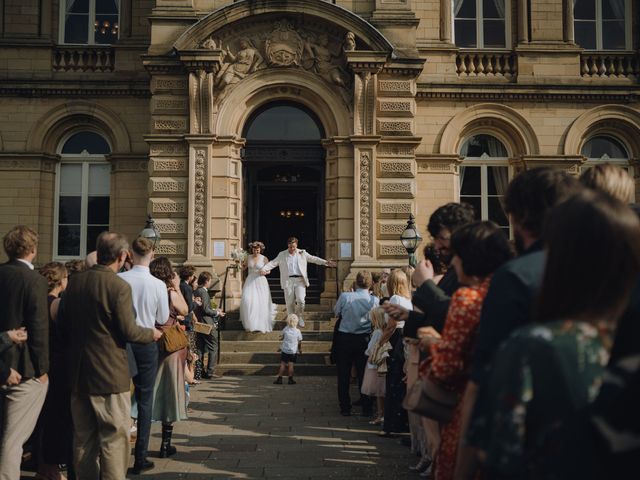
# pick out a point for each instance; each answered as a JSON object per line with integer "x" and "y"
{"x": 395, "y": 188}
{"x": 160, "y": 185}
{"x": 388, "y": 208}
{"x": 390, "y": 230}
{"x": 165, "y": 165}
{"x": 395, "y": 88}
{"x": 365, "y": 202}
{"x": 395, "y": 127}
{"x": 28, "y": 162}
{"x": 172, "y": 226}
{"x": 569, "y": 163}
{"x": 199, "y": 201}
{"x": 171, "y": 247}
{"x": 396, "y": 168}
{"x": 387, "y": 249}
{"x": 435, "y": 163}
{"x": 168, "y": 206}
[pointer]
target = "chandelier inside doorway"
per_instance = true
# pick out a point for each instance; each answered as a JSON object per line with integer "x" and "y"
{"x": 292, "y": 214}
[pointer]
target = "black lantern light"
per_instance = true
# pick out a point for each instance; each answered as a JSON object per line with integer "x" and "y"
{"x": 150, "y": 231}
{"x": 410, "y": 239}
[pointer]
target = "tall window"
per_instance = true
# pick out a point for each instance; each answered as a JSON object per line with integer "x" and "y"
{"x": 605, "y": 149}
{"x": 82, "y": 206}
{"x": 481, "y": 23}
{"x": 602, "y": 24}
{"x": 484, "y": 176}
{"x": 89, "y": 22}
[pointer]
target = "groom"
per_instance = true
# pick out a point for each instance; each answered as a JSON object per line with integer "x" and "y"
{"x": 293, "y": 275}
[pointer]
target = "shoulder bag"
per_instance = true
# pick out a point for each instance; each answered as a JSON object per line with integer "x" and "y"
{"x": 173, "y": 339}
{"x": 427, "y": 398}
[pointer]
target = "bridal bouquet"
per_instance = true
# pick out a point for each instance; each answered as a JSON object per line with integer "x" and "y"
{"x": 239, "y": 256}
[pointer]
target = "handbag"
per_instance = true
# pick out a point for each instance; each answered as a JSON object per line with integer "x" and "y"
{"x": 427, "y": 398}
{"x": 173, "y": 339}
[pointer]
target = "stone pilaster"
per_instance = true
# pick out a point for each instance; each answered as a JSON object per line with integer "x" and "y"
{"x": 438, "y": 182}
{"x": 397, "y": 21}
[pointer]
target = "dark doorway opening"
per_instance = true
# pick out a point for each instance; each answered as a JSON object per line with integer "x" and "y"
{"x": 283, "y": 171}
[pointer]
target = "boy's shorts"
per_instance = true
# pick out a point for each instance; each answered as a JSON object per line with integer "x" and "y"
{"x": 288, "y": 357}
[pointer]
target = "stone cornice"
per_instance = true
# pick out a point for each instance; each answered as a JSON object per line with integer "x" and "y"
{"x": 76, "y": 89}
{"x": 529, "y": 93}
{"x": 408, "y": 67}
{"x": 162, "y": 64}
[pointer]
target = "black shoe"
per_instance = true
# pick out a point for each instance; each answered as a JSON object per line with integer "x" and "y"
{"x": 278, "y": 381}
{"x": 166, "y": 449}
{"x": 291, "y": 381}
{"x": 345, "y": 413}
{"x": 140, "y": 467}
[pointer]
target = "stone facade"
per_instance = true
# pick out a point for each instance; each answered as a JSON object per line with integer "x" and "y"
{"x": 396, "y": 98}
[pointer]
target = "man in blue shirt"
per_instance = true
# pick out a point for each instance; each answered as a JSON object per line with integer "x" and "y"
{"x": 352, "y": 310}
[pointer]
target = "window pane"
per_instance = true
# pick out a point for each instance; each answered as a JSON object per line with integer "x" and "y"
{"x": 99, "y": 179}
{"x": 77, "y": 6}
{"x": 493, "y": 9}
{"x": 69, "y": 210}
{"x": 467, "y": 9}
{"x": 107, "y": 6}
{"x": 76, "y": 29}
{"x": 98, "y": 211}
{"x": 475, "y": 202}
{"x": 92, "y": 236}
{"x": 496, "y": 213}
{"x": 497, "y": 180}
{"x": 106, "y": 29}
{"x": 70, "y": 179}
{"x": 69, "y": 240}
{"x": 89, "y": 141}
{"x": 584, "y": 9}
{"x": 494, "y": 36}
{"x": 613, "y": 35}
{"x": 613, "y": 9}
{"x": 597, "y": 147}
{"x": 283, "y": 122}
{"x": 466, "y": 33}
{"x": 480, "y": 145}
{"x": 586, "y": 34}
{"x": 470, "y": 178}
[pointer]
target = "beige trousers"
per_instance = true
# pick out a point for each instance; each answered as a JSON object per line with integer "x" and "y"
{"x": 21, "y": 405}
{"x": 101, "y": 435}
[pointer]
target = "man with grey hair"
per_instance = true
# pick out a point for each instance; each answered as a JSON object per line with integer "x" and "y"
{"x": 99, "y": 320}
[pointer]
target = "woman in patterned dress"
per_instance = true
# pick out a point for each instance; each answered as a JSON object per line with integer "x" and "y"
{"x": 546, "y": 373}
{"x": 478, "y": 250}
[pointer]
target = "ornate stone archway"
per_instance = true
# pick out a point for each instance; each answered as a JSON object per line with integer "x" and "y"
{"x": 312, "y": 53}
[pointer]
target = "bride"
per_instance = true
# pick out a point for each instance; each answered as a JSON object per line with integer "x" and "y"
{"x": 257, "y": 312}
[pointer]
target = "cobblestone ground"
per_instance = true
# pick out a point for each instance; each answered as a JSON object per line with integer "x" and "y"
{"x": 246, "y": 427}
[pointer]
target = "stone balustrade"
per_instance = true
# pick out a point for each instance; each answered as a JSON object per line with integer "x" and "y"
{"x": 486, "y": 64}
{"x": 609, "y": 64}
{"x": 84, "y": 58}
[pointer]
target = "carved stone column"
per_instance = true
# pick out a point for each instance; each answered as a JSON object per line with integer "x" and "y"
{"x": 202, "y": 65}
{"x": 569, "y": 34}
{"x": 523, "y": 22}
{"x": 446, "y": 34}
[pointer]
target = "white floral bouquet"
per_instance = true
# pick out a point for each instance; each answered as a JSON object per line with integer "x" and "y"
{"x": 239, "y": 256}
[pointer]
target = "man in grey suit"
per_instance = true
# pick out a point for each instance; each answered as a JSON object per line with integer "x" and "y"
{"x": 99, "y": 315}
{"x": 23, "y": 296}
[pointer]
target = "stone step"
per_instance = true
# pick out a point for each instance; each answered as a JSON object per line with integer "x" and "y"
{"x": 238, "y": 335}
{"x": 235, "y": 358}
{"x": 272, "y": 369}
{"x": 309, "y": 325}
{"x": 270, "y": 346}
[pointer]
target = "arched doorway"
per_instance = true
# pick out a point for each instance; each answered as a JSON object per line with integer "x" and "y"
{"x": 283, "y": 171}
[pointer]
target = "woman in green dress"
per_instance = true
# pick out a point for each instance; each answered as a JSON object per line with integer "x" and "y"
{"x": 549, "y": 371}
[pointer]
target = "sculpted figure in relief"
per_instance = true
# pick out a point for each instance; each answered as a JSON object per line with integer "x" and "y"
{"x": 349, "y": 44}
{"x": 323, "y": 60}
{"x": 243, "y": 63}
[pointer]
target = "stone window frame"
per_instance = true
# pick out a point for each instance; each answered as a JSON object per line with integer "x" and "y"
{"x": 91, "y": 15}
{"x": 622, "y": 162}
{"x": 508, "y": 42}
{"x": 86, "y": 160}
{"x": 599, "y": 28}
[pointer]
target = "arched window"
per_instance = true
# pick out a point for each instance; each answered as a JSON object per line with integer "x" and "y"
{"x": 82, "y": 195}
{"x": 89, "y": 22}
{"x": 283, "y": 122}
{"x": 605, "y": 149}
{"x": 481, "y": 23}
{"x": 484, "y": 177}
{"x": 602, "y": 24}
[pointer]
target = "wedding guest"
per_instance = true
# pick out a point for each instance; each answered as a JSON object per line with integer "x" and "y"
{"x": 151, "y": 305}
{"x": 54, "y": 432}
{"x": 187, "y": 275}
{"x": 478, "y": 250}
{"x": 290, "y": 348}
{"x": 169, "y": 396}
{"x": 208, "y": 343}
{"x": 75, "y": 266}
{"x": 384, "y": 276}
{"x": 610, "y": 179}
{"x": 373, "y": 385}
{"x": 547, "y": 372}
{"x": 99, "y": 320}
{"x": 375, "y": 284}
{"x": 23, "y": 296}
{"x": 8, "y": 376}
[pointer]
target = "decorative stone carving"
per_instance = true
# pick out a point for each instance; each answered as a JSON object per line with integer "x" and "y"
{"x": 394, "y": 127}
{"x": 27, "y": 165}
{"x": 365, "y": 202}
{"x": 324, "y": 62}
{"x": 395, "y": 151}
{"x": 284, "y": 46}
{"x": 246, "y": 61}
{"x": 395, "y": 168}
{"x": 163, "y": 104}
{"x": 168, "y": 185}
{"x": 396, "y": 108}
{"x": 167, "y": 226}
{"x": 395, "y": 188}
{"x": 166, "y": 149}
{"x": 394, "y": 87}
{"x": 168, "y": 205}
{"x": 170, "y": 124}
{"x": 166, "y": 165}
{"x": 349, "y": 44}
{"x": 200, "y": 196}
{"x": 128, "y": 166}
{"x": 170, "y": 84}
{"x": 391, "y": 229}
{"x": 391, "y": 250}
{"x": 210, "y": 44}
{"x": 394, "y": 209}
{"x": 166, "y": 247}
{"x": 437, "y": 167}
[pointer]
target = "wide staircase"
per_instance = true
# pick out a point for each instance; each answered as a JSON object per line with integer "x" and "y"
{"x": 248, "y": 353}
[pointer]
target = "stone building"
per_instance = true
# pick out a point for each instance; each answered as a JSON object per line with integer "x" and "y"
{"x": 229, "y": 121}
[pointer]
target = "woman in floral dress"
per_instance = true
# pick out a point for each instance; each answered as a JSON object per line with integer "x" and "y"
{"x": 546, "y": 373}
{"x": 478, "y": 250}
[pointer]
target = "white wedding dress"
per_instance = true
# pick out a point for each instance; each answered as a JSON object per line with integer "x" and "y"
{"x": 257, "y": 311}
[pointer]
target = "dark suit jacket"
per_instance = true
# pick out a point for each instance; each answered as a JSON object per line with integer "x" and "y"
{"x": 187, "y": 293}
{"x": 209, "y": 315}
{"x": 99, "y": 317}
{"x": 23, "y": 297}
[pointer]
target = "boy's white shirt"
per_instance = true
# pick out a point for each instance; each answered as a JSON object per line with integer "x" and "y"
{"x": 290, "y": 340}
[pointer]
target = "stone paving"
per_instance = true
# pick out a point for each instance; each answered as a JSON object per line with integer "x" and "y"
{"x": 245, "y": 427}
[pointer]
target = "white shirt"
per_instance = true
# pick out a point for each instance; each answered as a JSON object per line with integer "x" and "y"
{"x": 292, "y": 264}
{"x": 375, "y": 338}
{"x": 404, "y": 302}
{"x": 26, "y": 262}
{"x": 290, "y": 339}
{"x": 150, "y": 297}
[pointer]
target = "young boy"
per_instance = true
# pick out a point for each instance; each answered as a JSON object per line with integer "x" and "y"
{"x": 291, "y": 346}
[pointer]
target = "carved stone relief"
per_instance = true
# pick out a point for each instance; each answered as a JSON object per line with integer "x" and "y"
{"x": 168, "y": 185}
{"x": 167, "y": 226}
{"x": 395, "y": 151}
{"x": 394, "y": 127}
{"x": 200, "y": 196}
{"x": 163, "y": 149}
{"x": 170, "y": 124}
{"x": 395, "y": 168}
{"x": 166, "y": 247}
{"x": 394, "y": 209}
{"x": 168, "y": 205}
{"x": 168, "y": 165}
{"x": 391, "y": 250}
{"x": 395, "y": 87}
{"x": 395, "y": 188}
{"x": 365, "y": 200}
